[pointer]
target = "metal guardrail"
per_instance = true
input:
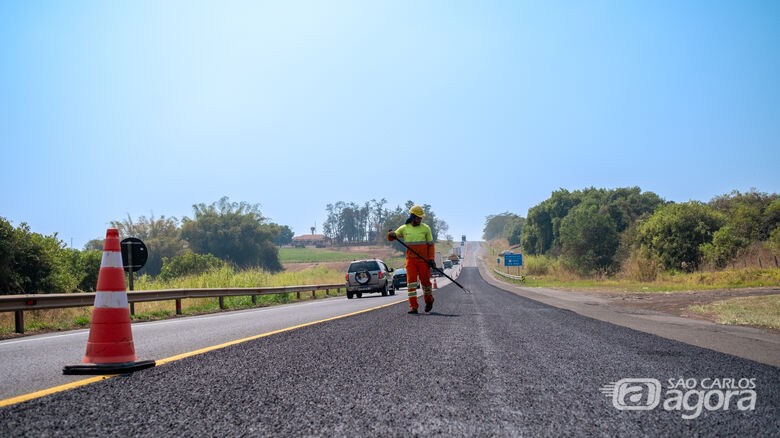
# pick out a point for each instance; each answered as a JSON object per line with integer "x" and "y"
{"x": 21, "y": 303}
{"x": 513, "y": 277}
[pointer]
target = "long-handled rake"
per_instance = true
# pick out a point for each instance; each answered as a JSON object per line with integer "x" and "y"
{"x": 434, "y": 267}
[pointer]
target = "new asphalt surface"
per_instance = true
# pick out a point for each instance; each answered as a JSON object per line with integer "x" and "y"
{"x": 487, "y": 364}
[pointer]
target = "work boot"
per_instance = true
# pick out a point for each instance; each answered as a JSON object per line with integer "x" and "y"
{"x": 428, "y": 305}
{"x": 412, "y": 311}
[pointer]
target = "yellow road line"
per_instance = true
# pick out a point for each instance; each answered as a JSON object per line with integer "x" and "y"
{"x": 76, "y": 384}
{"x": 41, "y": 393}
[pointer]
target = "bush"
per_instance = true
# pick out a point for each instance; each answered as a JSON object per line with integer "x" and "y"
{"x": 31, "y": 263}
{"x": 774, "y": 240}
{"x": 188, "y": 264}
{"x": 724, "y": 247}
{"x": 675, "y": 233}
{"x": 588, "y": 240}
{"x": 89, "y": 267}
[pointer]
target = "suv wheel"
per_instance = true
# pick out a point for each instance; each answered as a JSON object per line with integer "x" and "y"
{"x": 359, "y": 294}
{"x": 384, "y": 290}
{"x": 349, "y": 295}
{"x": 392, "y": 291}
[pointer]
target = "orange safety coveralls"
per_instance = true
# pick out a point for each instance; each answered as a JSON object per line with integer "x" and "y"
{"x": 420, "y": 239}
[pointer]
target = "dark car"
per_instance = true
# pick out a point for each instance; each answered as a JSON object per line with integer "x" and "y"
{"x": 399, "y": 278}
{"x": 367, "y": 276}
{"x": 447, "y": 264}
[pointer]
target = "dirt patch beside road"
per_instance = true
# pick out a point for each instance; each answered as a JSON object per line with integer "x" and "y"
{"x": 677, "y": 303}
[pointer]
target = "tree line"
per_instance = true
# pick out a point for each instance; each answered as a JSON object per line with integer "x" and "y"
{"x": 220, "y": 233}
{"x": 601, "y": 230}
{"x": 369, "y": 222}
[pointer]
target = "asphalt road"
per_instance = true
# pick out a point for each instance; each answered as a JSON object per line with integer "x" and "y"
{"x": 34, "y": 363}
{"x": 491, "y": 363}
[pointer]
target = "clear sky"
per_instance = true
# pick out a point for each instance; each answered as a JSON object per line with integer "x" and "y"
{"x": 475, "y": 107}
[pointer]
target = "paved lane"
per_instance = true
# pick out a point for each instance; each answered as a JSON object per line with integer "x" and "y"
{"x": 491, "y": 363}
{"x": 35, "y": 362}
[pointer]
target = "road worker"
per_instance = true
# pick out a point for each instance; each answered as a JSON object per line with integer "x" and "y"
{"x": 417, "y": 236}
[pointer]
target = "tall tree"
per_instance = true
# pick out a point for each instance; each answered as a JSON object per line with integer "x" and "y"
{"x": 284, "y": 237}
{"x": 232, "y": 231}
{"x": 495, "y": 223}
{"x": 513, "y": 230}
{"x": 162, "y": 237}
{"x": 589, "y": 239}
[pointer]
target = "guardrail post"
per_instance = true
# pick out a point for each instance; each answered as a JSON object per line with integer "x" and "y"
{"x": 254, "y": 299}
{"x": 178, "y": 307}
{"x": 298, "y": 295}
{"x": 132, "y": 308}
{"x": 222, "y": 303}
{"x": 19, "y": 321}
{"x": 314, "y": 294}
{"x": 327, "y": 291}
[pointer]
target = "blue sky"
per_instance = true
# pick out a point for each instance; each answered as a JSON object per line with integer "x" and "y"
{"x": 116, "y": 108}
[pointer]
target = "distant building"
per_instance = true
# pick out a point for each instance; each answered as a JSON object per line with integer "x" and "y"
{"x": 317, "y": 240}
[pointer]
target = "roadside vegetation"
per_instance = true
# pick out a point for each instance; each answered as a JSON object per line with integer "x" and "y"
{"x": 626, "y": 239}
{"x": 222, "y": 276}
{"x": 761, "y": 311}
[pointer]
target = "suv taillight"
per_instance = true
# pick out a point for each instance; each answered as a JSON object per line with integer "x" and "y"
{"x": 380, "y": 274}
{"x": 346, "y": 277}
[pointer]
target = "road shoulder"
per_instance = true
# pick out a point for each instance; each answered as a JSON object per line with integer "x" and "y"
{"x": 746, "y": 342}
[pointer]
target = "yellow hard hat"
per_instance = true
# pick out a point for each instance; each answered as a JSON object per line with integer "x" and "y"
{"x": 417, "y": 211}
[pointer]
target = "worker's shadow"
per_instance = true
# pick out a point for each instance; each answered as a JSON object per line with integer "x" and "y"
{"x": 446, "y": 315}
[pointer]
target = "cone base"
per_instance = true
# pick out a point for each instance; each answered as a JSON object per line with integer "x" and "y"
{"x": 107, "y": 368}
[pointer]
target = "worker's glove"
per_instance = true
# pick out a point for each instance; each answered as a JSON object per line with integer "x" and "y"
{"x": 392, "y": 235}
{"x": 431, "y": 263}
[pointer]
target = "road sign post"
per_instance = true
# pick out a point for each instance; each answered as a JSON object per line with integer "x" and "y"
{"x": 134, "y": 255}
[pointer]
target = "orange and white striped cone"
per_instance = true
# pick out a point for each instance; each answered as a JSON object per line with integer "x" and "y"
{"x": 110, "y": 348}
{"x": 435, "y": 286}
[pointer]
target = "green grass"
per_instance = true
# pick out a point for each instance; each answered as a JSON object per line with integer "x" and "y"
{"x": 761, "y": 311}
{"x": 312, "y": 255}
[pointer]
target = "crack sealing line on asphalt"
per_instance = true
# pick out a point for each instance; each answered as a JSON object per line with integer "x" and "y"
{"x": 76, "y": 384}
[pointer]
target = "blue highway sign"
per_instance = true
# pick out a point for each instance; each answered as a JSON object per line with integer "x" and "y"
{"x": 513, "y": 260}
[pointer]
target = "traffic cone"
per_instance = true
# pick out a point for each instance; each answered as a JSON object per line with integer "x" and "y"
{"x": 110, "y": 348}
{"x": 435, "y": 286}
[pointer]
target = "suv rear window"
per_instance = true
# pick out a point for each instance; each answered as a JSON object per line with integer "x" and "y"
{"x": 363, "y": 266}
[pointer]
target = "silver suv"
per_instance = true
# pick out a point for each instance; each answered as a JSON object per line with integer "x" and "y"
{"x": 367, "y": 276}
